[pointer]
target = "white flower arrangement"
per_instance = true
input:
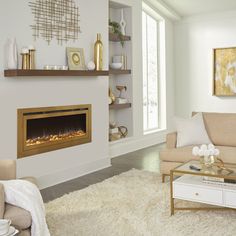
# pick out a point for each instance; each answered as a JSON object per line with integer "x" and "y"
{"x": 207, "y": 153}
{"x": 205, "y": 150}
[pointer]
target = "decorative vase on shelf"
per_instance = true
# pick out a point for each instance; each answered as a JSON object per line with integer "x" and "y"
{"x": 122, "y": 22}
{"x": 98, "y": 53}
{"x": 11, "y": 54}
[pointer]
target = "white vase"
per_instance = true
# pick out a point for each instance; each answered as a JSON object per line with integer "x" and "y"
{"x": 11, "y": 54}
{"x": 122, "y": 22}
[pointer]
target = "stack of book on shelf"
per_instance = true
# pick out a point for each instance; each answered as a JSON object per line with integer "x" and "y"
{"x": 219, "y": 181}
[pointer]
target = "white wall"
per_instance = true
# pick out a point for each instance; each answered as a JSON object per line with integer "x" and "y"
{"x": 195, "y": 38}
{"x": 60, "y": 165}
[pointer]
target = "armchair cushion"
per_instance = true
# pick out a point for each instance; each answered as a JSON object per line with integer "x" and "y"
{"x": 20, "y": 218}
{"x": 2, "y": 201}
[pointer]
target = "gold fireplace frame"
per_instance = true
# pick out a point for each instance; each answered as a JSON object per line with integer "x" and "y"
{"x": 42, "y": 112}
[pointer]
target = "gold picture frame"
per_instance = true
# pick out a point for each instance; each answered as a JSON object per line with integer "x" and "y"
{"x": 224, "y": 71}
{"x": 75, "y": 58}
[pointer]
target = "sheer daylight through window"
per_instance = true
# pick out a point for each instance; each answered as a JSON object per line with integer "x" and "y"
{"x": 150, "y": 73}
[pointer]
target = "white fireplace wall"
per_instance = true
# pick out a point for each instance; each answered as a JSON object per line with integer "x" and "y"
{"x": 21, "y": 92}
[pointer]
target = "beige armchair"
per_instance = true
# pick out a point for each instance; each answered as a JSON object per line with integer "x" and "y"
{"x": 21, "y": 219}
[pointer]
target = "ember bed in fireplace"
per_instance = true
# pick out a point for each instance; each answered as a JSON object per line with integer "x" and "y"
{"x": 50, "y": 128}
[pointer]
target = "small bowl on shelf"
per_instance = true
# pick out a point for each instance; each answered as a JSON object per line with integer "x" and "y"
{"x": 116, "y": 65}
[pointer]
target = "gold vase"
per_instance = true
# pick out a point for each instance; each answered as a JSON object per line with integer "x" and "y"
{"x": 98, "y": 48}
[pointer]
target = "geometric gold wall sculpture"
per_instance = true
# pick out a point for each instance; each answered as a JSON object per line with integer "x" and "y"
{"x": 57, "y": 19}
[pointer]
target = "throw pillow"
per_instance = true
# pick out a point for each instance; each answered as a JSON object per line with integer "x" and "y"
{"x": 191, "y": 131}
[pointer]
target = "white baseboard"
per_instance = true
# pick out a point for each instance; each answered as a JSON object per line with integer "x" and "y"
{"x": 72, "y": 173}
{"x": 116, "y": 149}
{"x": 134, "y": 144}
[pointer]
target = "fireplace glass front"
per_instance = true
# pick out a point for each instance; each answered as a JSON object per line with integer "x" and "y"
{"x": 42, "y": 129}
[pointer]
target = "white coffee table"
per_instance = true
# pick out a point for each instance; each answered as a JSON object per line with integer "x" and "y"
{"x": 190, "y": 187}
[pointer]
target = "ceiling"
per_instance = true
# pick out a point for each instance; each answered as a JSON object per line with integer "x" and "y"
{"x": 194, "y": 7}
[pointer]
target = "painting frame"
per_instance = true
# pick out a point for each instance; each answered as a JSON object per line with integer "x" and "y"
{"x": 75, "y": 58}
{"x": 224, "y": 72}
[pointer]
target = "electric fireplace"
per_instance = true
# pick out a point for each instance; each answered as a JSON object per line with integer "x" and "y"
{"x": 50, "y": 128}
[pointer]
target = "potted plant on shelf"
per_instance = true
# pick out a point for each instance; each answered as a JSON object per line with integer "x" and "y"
{"x": 114, "y": 27}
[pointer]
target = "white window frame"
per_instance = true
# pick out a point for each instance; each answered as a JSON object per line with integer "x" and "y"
{"x": 161, "y": 70}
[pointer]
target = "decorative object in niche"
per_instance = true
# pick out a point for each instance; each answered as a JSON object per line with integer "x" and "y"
{"x": 116, "y": 65}
{"x": 123, "y": 131}
{"x": 98, "y": 53}
{"x": 11, "y": 59}
{"x": 57, "y": 19}
{"x": 112, "y": 97}
{"x": 75, "y": 57}
{"x": 117, "y": 30}
{"x": 121, "y": 88}
{"x": 224, "y": 80}
{"x": 120, "y": 99}
{"x": 114, "y": 133}
{"x": 117, "y": 132}
{"x": 122, "y": 22}
{"x": 91, "y": 65}
{"x": 120, "y": 59}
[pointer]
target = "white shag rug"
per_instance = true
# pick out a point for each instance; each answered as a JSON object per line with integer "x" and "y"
{"x": 131, "y": 204}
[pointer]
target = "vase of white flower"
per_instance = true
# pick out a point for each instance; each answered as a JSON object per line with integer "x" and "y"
{"x": 206, "y": 153}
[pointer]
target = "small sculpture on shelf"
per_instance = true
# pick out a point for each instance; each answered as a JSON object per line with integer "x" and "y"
{"x": 117, "y": 132}
{"x": 113, "y": 132}
{"x": 120, "y": 99}
{"x": 122, "y": 22}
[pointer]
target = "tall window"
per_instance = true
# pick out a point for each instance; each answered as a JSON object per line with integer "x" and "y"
{"x": 150, "y": 72}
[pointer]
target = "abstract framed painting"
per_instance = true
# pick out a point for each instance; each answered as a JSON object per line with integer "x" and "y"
{"x": 224, "y": 71}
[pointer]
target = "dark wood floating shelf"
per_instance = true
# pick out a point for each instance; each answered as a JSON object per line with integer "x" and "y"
{"x": 119, "y": 72}
{"x": 116, "y": 38}
{"x": 119, "y": 106}
{"x": 15, "y": 73}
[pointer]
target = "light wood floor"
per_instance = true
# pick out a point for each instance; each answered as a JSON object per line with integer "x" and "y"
{"x": 144, "y": 159}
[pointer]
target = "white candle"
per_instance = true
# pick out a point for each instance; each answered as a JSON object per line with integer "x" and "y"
{"x": 25, "y": 50}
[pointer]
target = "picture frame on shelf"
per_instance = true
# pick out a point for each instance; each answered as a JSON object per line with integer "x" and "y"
{"x": 224, "y": 71}
{"x": 75, "y": 58}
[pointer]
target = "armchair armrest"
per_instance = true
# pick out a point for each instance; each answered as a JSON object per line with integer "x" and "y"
{"x": 30, "y": 179}
{"x": 2, "y": 201}
{"x": 7, "y": 169}
{"x": 171, "y": 140}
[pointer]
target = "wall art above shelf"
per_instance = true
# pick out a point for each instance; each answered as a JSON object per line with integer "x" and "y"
{"x": 116, "y": 38}
{"x": 119, "y": 106}
{"x": 119, "y": 72}
{"x": 16, "y": 73}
